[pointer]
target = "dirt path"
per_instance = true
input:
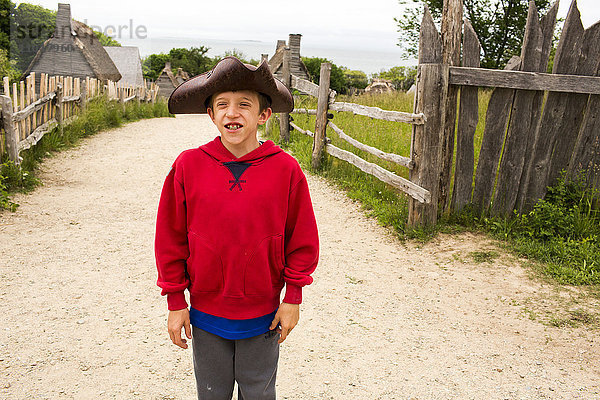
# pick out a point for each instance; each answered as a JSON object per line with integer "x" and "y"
{"x": 83, "y": 319}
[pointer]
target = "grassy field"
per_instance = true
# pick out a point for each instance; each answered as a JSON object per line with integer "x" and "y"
{"x": 570, "y": 255}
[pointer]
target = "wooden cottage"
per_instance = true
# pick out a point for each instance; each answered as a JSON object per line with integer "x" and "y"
{"x": 73, "y": 50}
{"x": 167, "y": 81}
{"x": 297, "y": 67}
{"x": 128, "y": 62}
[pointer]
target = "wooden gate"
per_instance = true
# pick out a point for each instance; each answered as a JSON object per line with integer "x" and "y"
{"x": 537, "y": 124}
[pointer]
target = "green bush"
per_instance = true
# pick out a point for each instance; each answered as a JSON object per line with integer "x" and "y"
{"x": 562, "y": 231}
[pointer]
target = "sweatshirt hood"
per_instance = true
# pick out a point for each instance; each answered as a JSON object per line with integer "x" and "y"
{"x": 218, "y": 151}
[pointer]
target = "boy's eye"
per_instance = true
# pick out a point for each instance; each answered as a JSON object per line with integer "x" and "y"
{"x": 245, "y": 104}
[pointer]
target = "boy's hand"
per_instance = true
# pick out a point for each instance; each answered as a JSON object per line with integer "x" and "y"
{"x": 287, "y": 316}
{"x": 176, "y": 320}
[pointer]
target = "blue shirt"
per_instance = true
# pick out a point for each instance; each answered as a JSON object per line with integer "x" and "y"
{"x": 232, "y": 329}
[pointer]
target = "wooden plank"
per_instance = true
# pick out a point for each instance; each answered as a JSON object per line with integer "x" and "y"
{"x": 452, "y": 18}
{"x": 521, "y": 123}
{"x": 127, "y": 99}
{"x": 305, "y": 86}
{"x": 321, "y": 120}
{"x": 494, "y": 133}
{"x": 431, "y": 92}
{"x": 416, "y": 192}
{"x": 378, "y": 113}
{"x": 563, "y": 112}
{"x": 395, "y": 158}
{"x": 59, "y": 107}
{"x": 547, "y": 25}
{"x": 12, "y": 139}
{"x": 585, "y": 159}
{"x": 36, "y": 135}
{"x": 467, "y": 124}
{"x": 430, "y": 42}
{"x": 524, "y": 80}
{"x": 576, "y": 105}
{"x": 284, "y": 125}
{"x": 432, "y": 86}
{"x": 33, "y": 107}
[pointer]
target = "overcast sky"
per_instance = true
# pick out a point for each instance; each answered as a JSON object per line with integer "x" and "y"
{"x": 331, "y": 23}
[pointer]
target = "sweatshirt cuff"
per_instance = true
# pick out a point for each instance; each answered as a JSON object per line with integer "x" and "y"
{"x": 293, "y": 294}
{"x": 176, "y": 301}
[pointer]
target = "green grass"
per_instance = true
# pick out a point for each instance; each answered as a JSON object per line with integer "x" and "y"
{"x": 100, "y": 114}
{"x": 561, "y": 235}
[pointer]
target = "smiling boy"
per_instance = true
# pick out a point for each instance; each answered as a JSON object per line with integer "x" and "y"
{"x": 235, "y": 226}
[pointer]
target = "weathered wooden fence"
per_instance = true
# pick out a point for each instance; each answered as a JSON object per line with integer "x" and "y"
{"x": 27, "y": 115}
{"x": 537, "y": 124}
{"x": 325, "y": 102}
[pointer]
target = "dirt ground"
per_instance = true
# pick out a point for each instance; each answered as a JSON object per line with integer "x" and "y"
{"x": 82, "y": 317}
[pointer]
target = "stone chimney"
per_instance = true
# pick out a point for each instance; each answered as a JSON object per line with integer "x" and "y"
{"x": 63, "y": 21}
{"x": 294, "y": 43}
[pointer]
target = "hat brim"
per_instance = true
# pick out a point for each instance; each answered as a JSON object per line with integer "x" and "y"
{"x": 230, "y": 74}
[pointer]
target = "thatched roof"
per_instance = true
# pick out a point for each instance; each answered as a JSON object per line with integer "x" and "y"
{"x": 168, "y": 73}
{"x": 72, "y": 36}
{"x": 127, "y": 61}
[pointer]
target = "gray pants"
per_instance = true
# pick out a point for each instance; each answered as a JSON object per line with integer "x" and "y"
{"x": 218, "y": 362}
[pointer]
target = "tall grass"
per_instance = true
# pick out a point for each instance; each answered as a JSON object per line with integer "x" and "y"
{"x": 99, "y": 114}
{"x": 570, "y": 254}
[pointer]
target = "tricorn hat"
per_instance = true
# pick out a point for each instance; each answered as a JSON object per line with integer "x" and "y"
{"x": 228, "y": 75}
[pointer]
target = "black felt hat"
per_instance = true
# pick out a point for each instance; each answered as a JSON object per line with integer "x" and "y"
{"x": 228, "y": 75}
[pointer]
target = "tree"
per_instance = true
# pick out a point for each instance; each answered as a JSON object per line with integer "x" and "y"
{"x": 499, "y": 24}
{"x": 106, "y": 40}
{"x": 356, "y": 79}
{"x": 33, "y": 26}
{"x": 402, "y": 77}
{"x": 193, "y": 60}
{"x": 337, "y": 80}
{"x": 7, "y": 23}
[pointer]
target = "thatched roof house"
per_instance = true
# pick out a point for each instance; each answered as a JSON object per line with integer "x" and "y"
{"x": 167, "y": 81}
{"x": 297, "y": 67}
{"x": 73, "y": 50}
{"x": 380, "y": 86}
{"x": 128, "y": 62}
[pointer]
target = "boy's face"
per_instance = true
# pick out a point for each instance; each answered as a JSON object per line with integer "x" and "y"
{"x": 237, "y": 116}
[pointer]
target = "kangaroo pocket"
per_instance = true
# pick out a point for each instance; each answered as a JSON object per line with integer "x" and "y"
{"x": 264, "y": 269}
{"x": 204, "y": 265}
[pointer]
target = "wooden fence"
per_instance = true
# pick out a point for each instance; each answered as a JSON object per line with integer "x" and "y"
{"x": 537, "y": 124}
{"x": 27, "y": 115}
{"x": 325, "y": 102}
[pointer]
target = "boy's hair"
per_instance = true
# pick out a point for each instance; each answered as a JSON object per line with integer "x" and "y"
{"x": 264, "y": 101}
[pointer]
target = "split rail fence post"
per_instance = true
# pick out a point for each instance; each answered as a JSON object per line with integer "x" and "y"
{"x": 430, "y": 99}
{"x": 83, "y": 96}
{"x": 59, "y": 107}
{"x": 12, "y": 141}
{"x": 321, "y": 122}
{"x": 284, "y": 118}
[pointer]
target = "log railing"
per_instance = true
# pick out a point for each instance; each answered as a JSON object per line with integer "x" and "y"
{"x": 322, "y": 144}
{"x": 27, "y": 115}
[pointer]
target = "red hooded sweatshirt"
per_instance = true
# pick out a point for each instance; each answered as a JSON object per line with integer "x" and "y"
{"x": 233, "y": 231}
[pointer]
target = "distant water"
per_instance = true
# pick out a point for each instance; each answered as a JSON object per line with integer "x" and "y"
{"x": 368, "y": 61}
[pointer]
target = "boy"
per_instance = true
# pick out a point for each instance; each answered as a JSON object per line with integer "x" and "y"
{"x": 235, "y": 225}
